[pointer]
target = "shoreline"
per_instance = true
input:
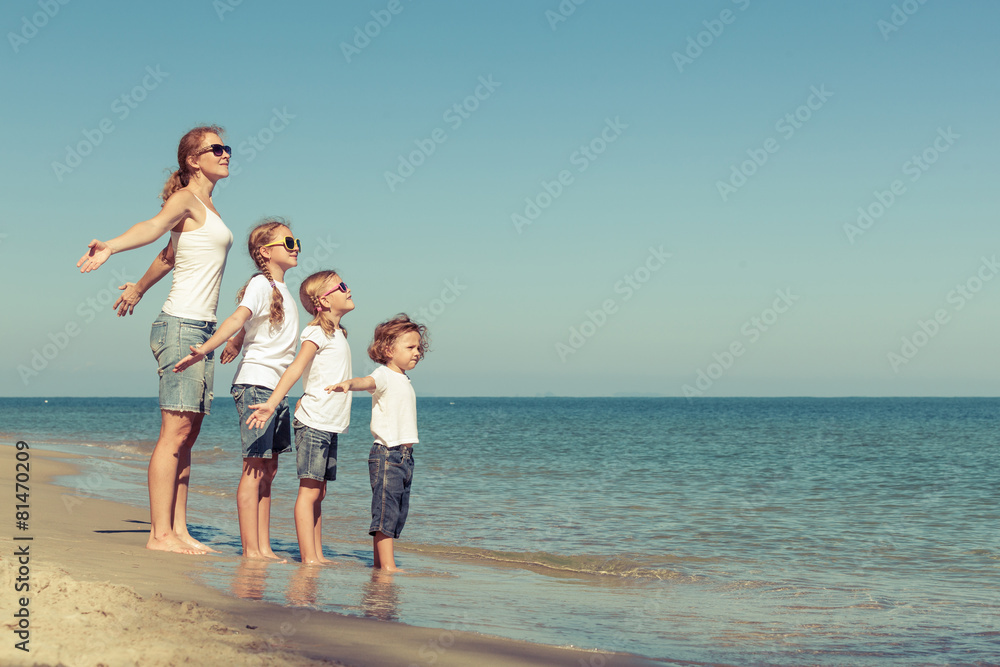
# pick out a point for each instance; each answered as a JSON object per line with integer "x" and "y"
{"x": 97, "y": 595}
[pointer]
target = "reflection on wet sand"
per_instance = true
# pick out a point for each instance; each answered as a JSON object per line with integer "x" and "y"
{"x": 303, "y": 586}
{"x": 250, "y": 578}
{"x": 379, "y": 598}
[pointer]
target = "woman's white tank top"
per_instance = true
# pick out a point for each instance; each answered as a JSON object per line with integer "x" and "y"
{"x": 199, "y": 260}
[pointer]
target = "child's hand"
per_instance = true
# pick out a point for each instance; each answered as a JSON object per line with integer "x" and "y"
{"x": 260, "y": 415}
{"x": 340, "y": 386}
{"x": 192, "y": 358}
{"x": 231, "y": 351}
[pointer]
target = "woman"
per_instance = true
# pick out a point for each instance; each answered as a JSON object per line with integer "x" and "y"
{"x": 200, "y": 243}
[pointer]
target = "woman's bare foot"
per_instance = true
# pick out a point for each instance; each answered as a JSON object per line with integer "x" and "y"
{"x": 173, "y": 544}
{"x": 187, "y": 539}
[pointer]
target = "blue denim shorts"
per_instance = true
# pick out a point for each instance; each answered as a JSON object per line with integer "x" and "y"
{"x": 276, "y": 436}
{"x": 171, "y": 339}
{"x": 391, "y": 472}
{"x": 315, "y": 453}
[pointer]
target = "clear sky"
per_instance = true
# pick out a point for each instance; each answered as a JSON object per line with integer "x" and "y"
{"x": 740, "y": 197}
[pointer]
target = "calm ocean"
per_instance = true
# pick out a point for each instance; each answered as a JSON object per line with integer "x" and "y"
{"x": 719, "y": 531}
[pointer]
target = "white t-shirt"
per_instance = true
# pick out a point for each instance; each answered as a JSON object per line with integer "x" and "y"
{"x": 267, "y": 350}
{"x": 394, "y": 408}
{"x": 331, "y": 364}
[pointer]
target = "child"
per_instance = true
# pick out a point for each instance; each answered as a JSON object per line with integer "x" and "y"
{"x": 323, "y": 357}
{"x": 398, "y": 345}
{"x": 271, "y": 320}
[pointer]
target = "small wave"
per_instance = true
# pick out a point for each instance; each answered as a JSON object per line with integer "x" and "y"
{"x": 586, "y": 565}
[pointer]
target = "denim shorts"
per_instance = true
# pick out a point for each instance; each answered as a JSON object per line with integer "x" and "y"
{"x": 391, "y": 472}
{"x": 315, "y": 453}
{"x": 276, "y": 436}
{"x": 171, "y": 339}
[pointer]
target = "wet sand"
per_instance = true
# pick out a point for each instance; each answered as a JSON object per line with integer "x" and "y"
{"x": 96, "y": 596}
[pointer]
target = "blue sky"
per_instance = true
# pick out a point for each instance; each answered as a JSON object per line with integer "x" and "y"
{"x": 697, "y": 168}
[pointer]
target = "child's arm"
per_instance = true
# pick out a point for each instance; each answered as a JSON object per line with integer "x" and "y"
{"x": 231, "y": 325}
{"x": 263, "y": 411}
{"x": 366, "y": 383}
{"x": 132, "y": 292}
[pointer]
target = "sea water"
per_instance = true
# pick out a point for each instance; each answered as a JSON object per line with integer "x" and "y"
{"x": 740, "y": 531}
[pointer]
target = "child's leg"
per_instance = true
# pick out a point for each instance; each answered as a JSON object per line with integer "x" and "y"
{"x": 248, "y": 504}
{"x": 384, "y": 558}
{"x": 260, "y": 464}
{"x": 318, "y": 536}
{"x": 391, "y": 472}
{"x": 308, "y": 508}
{"x": 173, "y": 447}
{"x": 264, "y": 508}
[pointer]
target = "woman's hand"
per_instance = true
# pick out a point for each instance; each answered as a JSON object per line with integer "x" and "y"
{"x": 98, "y": 253}
{"x": 189, "y": 360}
{"x": 127, "y": 300}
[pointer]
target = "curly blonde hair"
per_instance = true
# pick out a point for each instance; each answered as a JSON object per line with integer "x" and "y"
{"x": 386, "y": 333}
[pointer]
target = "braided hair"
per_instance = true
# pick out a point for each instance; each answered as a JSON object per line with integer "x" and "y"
{"x": 261, "y": 235}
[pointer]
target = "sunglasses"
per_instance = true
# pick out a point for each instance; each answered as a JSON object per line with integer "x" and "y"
{"x": 217, "y": 150}
{"x": 289, "y": 242}
{"x": 342, "y": 287}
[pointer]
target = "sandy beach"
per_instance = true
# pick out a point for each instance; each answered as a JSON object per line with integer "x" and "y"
{"x": 96, "y": 596}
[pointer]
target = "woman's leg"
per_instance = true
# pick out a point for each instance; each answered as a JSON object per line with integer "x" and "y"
{"x": 183, "y": 481}
{"x": 170, "y": 457}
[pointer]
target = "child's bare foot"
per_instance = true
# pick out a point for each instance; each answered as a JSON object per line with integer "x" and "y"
{"x": 256, "y": 555}
{"x": 173, "y": 544}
